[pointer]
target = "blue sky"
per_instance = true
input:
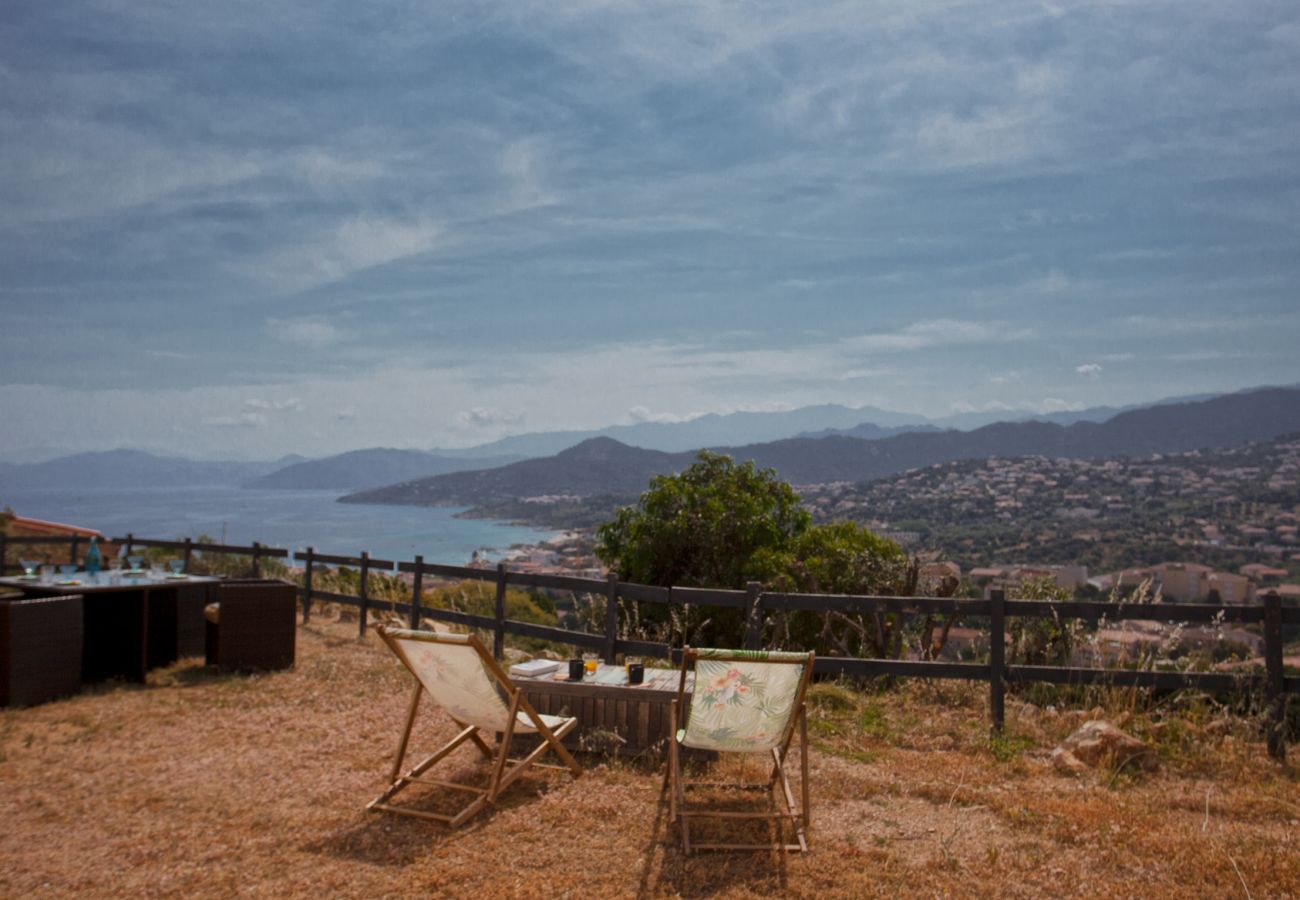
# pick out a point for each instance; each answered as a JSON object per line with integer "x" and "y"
{"x": 252, "y": 228}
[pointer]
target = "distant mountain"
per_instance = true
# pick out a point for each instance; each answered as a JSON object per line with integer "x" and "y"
{"x": 597, "y": 465}
{"x": 868, "y": 431}
{"x": 360, "y": 469}
{"x": 703, "y": 431}
{"x": 127, "y": 469}
{"x": 605, "y": 466}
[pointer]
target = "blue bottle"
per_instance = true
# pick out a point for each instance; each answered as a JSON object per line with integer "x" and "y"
{"x": 93, "y": 558}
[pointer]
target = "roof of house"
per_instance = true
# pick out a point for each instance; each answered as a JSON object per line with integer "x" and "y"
{"x": 32, "y": 527}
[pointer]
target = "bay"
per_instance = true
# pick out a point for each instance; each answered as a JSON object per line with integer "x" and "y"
{"x": 290, "y": 519}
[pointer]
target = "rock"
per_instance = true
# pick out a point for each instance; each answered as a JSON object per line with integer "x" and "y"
{"x": 1100, "y": 743}
{"x": 1067, "y": 763}
{"x": 514, "y": 655}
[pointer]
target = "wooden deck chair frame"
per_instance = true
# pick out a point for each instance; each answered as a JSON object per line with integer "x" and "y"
{"x": 504, "y": 770}
{"x": 798, "y": 814}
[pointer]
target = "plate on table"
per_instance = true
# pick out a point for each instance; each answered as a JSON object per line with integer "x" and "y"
{"x": 68, "y": 582}
{"x": 133, "y": 571}
{"x": 176, "y": 576}
{"x": 26, "y": 577}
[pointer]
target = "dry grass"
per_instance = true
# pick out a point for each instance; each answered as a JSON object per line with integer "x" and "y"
{"x": 207, "y": 785}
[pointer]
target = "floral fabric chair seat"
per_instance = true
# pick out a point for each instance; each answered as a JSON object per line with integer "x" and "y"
{"x": 740, "y": 706}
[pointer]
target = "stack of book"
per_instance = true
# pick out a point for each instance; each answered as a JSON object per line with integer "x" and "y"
{"x": 533, "y": 668}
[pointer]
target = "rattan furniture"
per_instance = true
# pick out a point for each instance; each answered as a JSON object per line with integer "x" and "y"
{"x": 40, "y": 648}
{"x": 252, "y": 625}
{"x": 132, "y": 622}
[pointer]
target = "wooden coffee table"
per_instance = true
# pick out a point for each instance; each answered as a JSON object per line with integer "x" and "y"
{"x": 611, "y": 714}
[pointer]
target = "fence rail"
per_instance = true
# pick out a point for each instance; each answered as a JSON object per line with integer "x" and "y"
{"x": 1272, "y": 682}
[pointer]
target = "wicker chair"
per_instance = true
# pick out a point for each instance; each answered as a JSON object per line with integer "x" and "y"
{"x": 41, "y": 640}
{"x": 252, "y": 625}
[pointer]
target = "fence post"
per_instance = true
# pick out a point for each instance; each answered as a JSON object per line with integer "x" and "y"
{"x": 364, "y": 592}
{"x": 611, "y": 616}
{"x": 306, "y": 587}
{"x": 499, "y": 627}
{"x": 1275, "y": 688}
{"x": 257, "y": 563}
{"x": 417, "y": 590}
{"x": 997, "y": 658}
{"x": 72, "y": 552}
{"x": 754, "y": 618}
{"x": 189, "y": 553}
{"x": 130, "y": 542}
{"x": 4, "y": 550}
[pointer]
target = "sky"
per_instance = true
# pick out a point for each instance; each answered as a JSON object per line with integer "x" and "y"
{"x": 246, "y": 229}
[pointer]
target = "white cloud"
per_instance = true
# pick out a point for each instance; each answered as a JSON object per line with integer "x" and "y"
{"x": 487, "y": 416}
{"x": 243, "y": 420}
{"x": 314, "y": 334}
{"x": 292, "y": 404}
{"x": 521, "y": 167}
{"x": 1089, "y": 370}
{"x": 353, "y": 245}
{"x": 644, "y": 414}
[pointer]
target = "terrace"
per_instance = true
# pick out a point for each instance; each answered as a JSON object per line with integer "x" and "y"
{"x": 198, "y": 783}
{"x": 210, "y": 785}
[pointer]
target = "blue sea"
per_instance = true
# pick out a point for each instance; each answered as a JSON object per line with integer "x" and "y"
{"x": 294, "y": 520}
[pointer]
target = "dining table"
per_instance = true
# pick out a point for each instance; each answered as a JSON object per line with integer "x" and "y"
{"x": 135, "y": 620}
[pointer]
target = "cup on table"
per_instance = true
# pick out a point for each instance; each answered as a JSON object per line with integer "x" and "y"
{"x": 67, "y": 569}
{"x": 29, "y": 567}
{"x": 576, "y": 669}
{"x": 589, "y": 662}
{"x": 635, "y": 673}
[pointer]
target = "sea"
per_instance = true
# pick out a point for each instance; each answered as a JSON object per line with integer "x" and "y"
{"x": 291, "y": 519}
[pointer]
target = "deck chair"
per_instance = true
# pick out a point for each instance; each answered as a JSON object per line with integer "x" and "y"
{"x": 743, "y": 701}
{"x": 461, "y": 676}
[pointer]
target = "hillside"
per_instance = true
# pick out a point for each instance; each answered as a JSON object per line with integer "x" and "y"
{"x": 598, "y": 465}
{"x": 360, "y": 469}
{"x": 129, "y": 468}
{"x": 604, "y": 466}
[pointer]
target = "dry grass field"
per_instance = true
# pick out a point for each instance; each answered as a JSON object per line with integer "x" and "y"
{"x": 204, "y": 785}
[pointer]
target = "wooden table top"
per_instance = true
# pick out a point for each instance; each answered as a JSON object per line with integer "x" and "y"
{"x": 611, "y": 680}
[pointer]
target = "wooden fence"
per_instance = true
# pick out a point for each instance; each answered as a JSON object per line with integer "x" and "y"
{"x": 757, "y": 605}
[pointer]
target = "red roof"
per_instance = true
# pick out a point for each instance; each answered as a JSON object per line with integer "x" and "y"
{"x": 24, "y": 525}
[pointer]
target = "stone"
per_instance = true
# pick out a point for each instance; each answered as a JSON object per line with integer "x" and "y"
{"x": 1067, "y": 763}
{"x": 1099, "y": 743}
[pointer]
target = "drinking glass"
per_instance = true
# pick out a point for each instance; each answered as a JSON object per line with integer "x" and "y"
{"x": 589, "y": 662}
{"x": 67, "y": 570}
{"x": 176, "y": 565}
{"x": 30, "y": 566}
{"x": 134, "y": 562}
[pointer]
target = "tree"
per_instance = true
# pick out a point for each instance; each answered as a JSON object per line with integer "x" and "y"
{"x": 716, "y": 524}
{"x": 721, "y": 524}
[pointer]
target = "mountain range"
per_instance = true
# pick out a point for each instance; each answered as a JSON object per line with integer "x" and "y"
{"x": 360, "y": 469}
{"x": 605, "y": 466}
{"x": 132, "y": 469}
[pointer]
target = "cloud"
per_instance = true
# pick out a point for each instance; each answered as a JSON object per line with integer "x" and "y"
{"x": 521, "y": 167}
{"x": 937, "y": 333}
{"x": 314, "y": 334}
{"x": 488, "y": 416}
{"x": 1089, "y": 370}
{"x": 293, "y": 404}
{"x": 354, "y": 245}
{"x": 243, "y": 420}
{"x": 644, "y": 414}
